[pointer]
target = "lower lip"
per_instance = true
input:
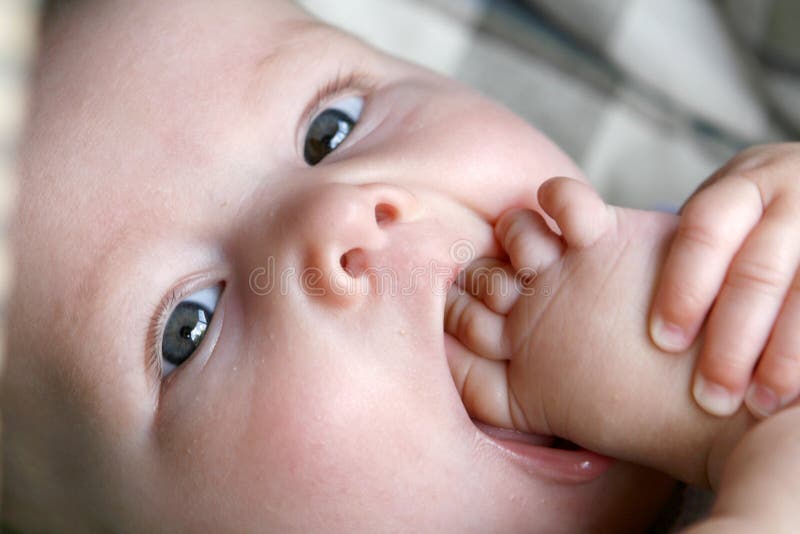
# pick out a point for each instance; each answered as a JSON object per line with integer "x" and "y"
{"x": 564, "y": 466}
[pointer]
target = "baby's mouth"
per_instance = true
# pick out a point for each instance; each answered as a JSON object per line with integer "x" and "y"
{"x": 508, "y": 434}
{"x": 548, "y": 456}
{"x": 538, "y": 440}
{"x": 542, "y": 456}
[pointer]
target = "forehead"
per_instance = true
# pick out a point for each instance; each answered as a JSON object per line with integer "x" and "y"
{"x": 133, "y": 105}
{"x": 156, "y": 74}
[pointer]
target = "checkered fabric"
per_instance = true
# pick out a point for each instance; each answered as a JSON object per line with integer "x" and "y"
{"x": 17, "y": 37}
{"x": 648, "y": 96}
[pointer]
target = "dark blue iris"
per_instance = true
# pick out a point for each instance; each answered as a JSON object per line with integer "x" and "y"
{"x": 185, "y": 329}
{"x": 327, "y": 131}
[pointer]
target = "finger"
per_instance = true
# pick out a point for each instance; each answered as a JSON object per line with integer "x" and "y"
{"x": 580, "y": 213}
{"x": 482, "y": 384}
{"x": 747, "y": 308}
{"x": 528, "y": 241}
{"x": 776, "y": 382}
{"x": 474, "y": 325}
{"x": 711, "y": 230}
{"x": 493, "y": 282}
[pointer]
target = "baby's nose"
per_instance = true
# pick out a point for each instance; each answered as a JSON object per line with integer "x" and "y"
{"x": 341, "y": 225}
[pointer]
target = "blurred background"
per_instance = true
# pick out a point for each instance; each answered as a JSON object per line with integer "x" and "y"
{"x": 18, "y": 27}
{"x": 648, "y": 96}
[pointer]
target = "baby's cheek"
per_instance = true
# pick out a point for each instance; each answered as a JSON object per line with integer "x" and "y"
{"x": 264, "y": 459}
{"x": 469, "y": 146}
{"x": 304, "y": 442}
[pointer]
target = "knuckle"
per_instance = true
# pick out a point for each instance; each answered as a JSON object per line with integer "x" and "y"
{"x": 754, "y": 158}
{"x": 757, "y": 276}
{"x": 501, "y": 226}
{"x": 780, "y": 371}
{"x": 512, "y": 235}
{"x": 468, "y": 326}
{"x": 467, "y": 386}
{"x": 683, "y": 301}
{"x": 474, "y": 279}
{"x": 454, "y": 312}
{"x": 491, "y": 283}
{"x": 728, "y": 369}
{"x": 516, "y": 239}
{"x": 698, "y": 230}
{"x": 495, "y": 299}
{"x": 459, "y": 369}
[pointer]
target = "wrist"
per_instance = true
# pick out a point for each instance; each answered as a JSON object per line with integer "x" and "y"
{"x": 724, "y": 443}
{"x": 758, "y": 477}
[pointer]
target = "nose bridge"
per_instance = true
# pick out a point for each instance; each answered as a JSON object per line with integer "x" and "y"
{"x": 338, "y": 214}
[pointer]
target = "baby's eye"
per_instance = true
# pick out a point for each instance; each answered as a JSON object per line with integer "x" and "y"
{"x": 186, "y": 327}
{"x": 331, "y": 127}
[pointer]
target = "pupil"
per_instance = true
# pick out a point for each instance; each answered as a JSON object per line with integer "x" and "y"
{"x": 185, "y": 329}
{"x": 326, "y": 133}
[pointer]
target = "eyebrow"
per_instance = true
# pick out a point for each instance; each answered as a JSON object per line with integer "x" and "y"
{"x": 126, "y": 279}
{"x": 288, "y": 50}
{"x": 118, "y": 248}
{"x": 297, "y": 29}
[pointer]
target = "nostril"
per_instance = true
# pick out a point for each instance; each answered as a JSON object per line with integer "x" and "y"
{"x": 354, "y": 262}
{"x": 385, "y": 214}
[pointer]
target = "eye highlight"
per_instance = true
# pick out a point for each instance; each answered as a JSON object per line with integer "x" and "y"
{"x": 186, "y": 327}
{"x": 331, "y": 127}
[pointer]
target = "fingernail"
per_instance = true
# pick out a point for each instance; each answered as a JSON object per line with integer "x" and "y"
{"x": 668, "y": 336}
{"x": 714, "y": 398}
{"x": 761, "y": 400}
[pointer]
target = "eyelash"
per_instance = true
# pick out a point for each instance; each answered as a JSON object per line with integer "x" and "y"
{"x": 352, "y": 80}
{"x": 156, "y": 331}
{"x": 154, "y": 365}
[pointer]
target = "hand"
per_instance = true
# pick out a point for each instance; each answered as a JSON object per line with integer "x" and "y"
{"x": 738, "y": 242}
{"x": 497, "y": 307}
{"x": 563, "y": 350}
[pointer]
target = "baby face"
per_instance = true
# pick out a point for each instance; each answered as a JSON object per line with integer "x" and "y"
{"x": 169, "y": 209}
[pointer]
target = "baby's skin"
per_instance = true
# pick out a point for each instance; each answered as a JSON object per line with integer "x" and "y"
{"x": 164, "y": 163}
{"x": 566, "y": 319}
{"x": 165, "y": 160}
{"x": 556, "y": 343}
{"x": 733, "y": 265}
